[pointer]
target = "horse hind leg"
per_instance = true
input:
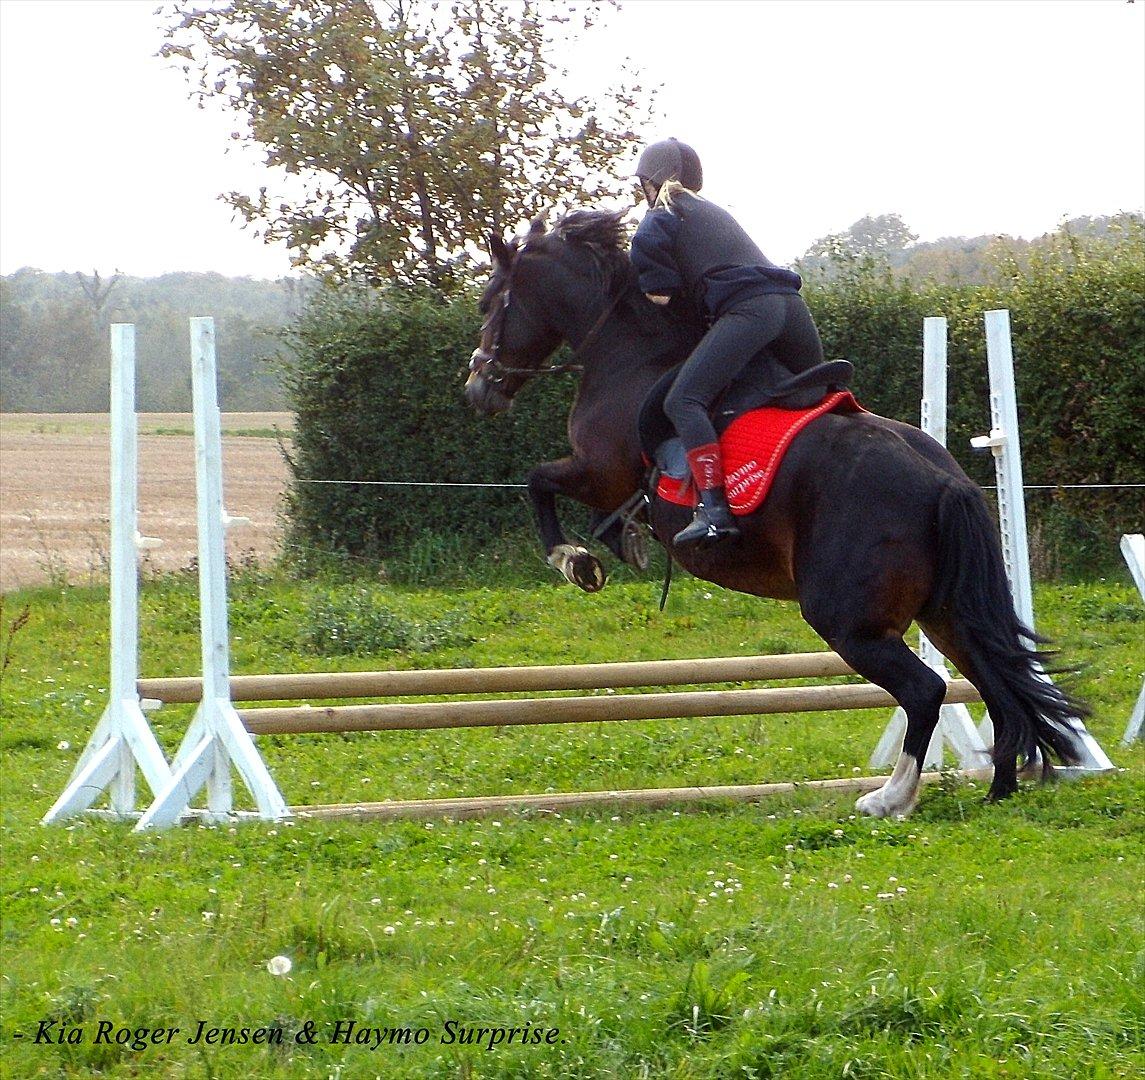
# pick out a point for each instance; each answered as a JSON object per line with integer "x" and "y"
{"x": 1005, "y": 760}
{"x": 888, "y": 662}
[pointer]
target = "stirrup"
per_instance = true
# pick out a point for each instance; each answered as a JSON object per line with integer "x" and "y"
{"x": 703, "y": 532}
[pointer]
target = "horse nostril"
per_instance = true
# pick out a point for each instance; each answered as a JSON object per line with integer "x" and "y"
{"x": 484, "y": 396}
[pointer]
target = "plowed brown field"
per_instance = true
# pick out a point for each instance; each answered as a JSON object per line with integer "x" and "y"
{"x": 55, "y": 489}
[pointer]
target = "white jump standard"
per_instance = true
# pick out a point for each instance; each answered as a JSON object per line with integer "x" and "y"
{"x": 1004, "y": 442}
{"x": 216, "y": 737}
{"x": 1133, "y": 548}
{"x": 123, "y": 737}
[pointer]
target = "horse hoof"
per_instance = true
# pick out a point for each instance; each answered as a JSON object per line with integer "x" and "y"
{"x": 584, "y": 570}
{"x": 872, "y": 804}
{"x": 876, "y": 804}
{"x": 578, "y": 566}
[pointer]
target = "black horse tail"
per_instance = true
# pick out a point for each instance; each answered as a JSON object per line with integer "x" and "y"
{"x": 1030, "y": 713}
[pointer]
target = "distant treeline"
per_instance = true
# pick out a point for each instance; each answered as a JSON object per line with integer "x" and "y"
{"x": 952, "y": 260}
{"x": 54, "y": 338}
{"x": 54, "y": 326}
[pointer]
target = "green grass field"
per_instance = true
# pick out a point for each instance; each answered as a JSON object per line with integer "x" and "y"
{"x": 784, "y": 939}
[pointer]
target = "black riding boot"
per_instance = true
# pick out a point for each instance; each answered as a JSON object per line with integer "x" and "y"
{"x": 713, "y": 522}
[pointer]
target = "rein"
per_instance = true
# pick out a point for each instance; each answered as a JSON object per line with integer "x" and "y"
{"x": 494, "y": 371}
{"x": 578, "y": 353}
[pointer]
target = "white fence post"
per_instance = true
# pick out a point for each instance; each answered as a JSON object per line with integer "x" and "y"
{"x": 216, "y": 737}
{"x": 1133, "y": 548}
{"x": 1005, "y": 443}
{"x": 122, "y": 737}
{"x": 955, "y": 724}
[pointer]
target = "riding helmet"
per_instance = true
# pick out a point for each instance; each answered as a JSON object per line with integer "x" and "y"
{"x": 671, "y": 159}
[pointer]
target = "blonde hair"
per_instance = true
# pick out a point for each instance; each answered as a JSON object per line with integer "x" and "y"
{"x": 669, "y": 190}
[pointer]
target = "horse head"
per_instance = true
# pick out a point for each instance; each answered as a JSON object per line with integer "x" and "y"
{"x": 516, "y": 337}
{"x": 545, "y": 288}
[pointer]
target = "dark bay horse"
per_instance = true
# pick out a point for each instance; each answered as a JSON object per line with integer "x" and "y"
{"x": 870, "y": 524}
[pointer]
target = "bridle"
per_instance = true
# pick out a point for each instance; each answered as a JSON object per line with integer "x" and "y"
{"x": 487, "y": 362}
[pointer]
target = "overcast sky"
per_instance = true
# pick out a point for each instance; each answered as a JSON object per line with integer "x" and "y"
{"x": 965, "y": 117}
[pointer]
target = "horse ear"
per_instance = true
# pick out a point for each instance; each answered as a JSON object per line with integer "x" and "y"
{"x": 499, "y": 250}
{"x": 536, "y": 227}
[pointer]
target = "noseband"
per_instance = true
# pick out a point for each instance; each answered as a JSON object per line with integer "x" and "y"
{"x": 488, "y": 364}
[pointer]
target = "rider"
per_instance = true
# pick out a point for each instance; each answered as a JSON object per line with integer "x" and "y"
{"x": 687, "y": 246}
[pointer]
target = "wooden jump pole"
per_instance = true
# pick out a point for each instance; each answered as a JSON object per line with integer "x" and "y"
{"x": 504, "y": 680}
{"x": 427, "y": 715}
{"x": 645, "y": 798}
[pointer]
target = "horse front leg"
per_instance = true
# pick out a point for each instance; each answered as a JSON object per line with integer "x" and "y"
{"x": 572, "y": 478}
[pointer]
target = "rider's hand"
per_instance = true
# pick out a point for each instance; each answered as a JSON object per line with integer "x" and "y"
{"x": 657, "y": 298}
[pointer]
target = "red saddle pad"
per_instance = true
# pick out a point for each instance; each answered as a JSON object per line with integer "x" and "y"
{"x": 753, "y": 447}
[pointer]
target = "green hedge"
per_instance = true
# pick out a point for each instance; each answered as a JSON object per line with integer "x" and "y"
{"x": 377, "y": 387}
{"x": 1078, "y": 325}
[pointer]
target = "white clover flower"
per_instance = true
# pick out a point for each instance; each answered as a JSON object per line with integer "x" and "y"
{"x": 279, "y": 965}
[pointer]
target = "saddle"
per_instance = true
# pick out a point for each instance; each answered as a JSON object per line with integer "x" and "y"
{"x": 765, "y": 382}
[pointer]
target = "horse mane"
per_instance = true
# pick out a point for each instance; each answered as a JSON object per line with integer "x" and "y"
{"x": 603, "y": 230}
{"x": 604, "y": 235}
